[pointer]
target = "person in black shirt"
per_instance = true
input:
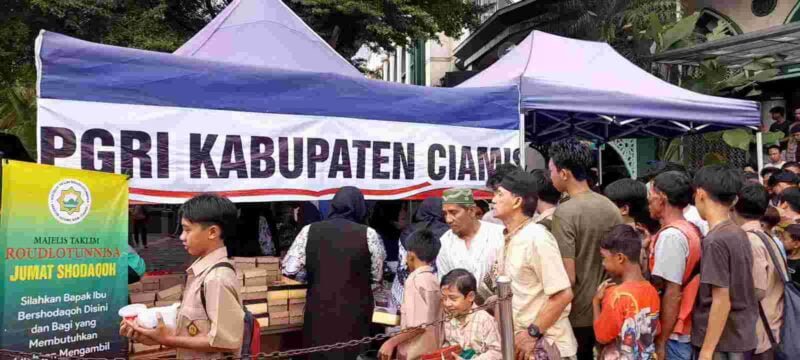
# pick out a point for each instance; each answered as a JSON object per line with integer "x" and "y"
{"x": 778, "y": 114}
{"x": 791, "y": 241}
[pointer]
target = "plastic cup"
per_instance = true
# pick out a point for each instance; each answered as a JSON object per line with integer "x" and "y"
{"x": 149, "y": 317}
{"x": 131, "y": 312}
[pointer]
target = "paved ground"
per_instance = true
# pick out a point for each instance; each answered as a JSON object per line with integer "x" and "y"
{"x": 164, "y": 253}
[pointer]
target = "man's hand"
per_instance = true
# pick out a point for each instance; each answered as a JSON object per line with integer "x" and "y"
{"x": 128, "y": 331}
{"x": 601, "y": 291}
{"x": 705, "y": 355}
{"x": 159, "y": 336}
{"x": 387, "y": 350}
{"x": 524, "y": 345}
{"x": 661, "y": 351}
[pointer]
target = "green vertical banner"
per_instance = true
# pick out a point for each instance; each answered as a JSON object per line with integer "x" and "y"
{"x": 63, "y": 235}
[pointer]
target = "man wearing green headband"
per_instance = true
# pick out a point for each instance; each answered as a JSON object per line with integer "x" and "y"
{"x": 470, "y": 244}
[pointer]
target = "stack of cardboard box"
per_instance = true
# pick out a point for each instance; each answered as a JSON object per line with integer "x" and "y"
{"x": 272, "y": 266}
{"x": 157, "y": 290}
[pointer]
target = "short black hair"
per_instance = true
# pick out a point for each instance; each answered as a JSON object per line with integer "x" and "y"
{"x": 791, "y": 196}
{"x": 769, "y": 171}
{"x": 522, "y": 185}
{"x": 677, "y": 186}
{"x": 631, "y": 193}
{"x": 783, "y": 176}
{"x": 753, "y": 202}
{"x": 778, "y": 110}
{"x": 794, "y": 128}
{"x": 483, "y": 205}
{"x": 573, "y": 155}
{"x": 773, "y": 147}
{"x": 721, "y": 182}
{"x": 498, "y": 174}
{"x": 790, "y": 164}
{"x": 771, "y": 217}
{"x": 424, "y": 245}
{"x": 662, "y": 167}
{"x": 211, "y": 209}
{"x": 544, "y": 186}
{"x": 750, "y": 177}
{"x": 623, "y": 239}
{"x": 462, "y": 280}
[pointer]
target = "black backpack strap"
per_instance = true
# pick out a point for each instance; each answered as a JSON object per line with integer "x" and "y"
{"x": 224, "y": 264}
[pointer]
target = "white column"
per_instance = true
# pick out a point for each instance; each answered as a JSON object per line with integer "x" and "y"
{"x": 522, "y": 148}
{"x": 760, "y": 153}
{"x": 408, "y": 65}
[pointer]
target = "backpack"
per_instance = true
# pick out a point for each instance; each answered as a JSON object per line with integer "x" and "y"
{"x": 789, "y": 347}
{"x": 251, "y": 338}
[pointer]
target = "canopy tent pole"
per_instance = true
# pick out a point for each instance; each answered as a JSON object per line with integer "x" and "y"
{"x": 522, "y": 148}
{"x": 599, "y": 164}
{"x": 760, "y": 153}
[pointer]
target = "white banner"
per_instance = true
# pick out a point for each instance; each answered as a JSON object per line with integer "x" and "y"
{"x": 174, "y": 153}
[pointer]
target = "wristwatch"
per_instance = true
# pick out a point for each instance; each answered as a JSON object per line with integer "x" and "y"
{"x": 534, "y": 331}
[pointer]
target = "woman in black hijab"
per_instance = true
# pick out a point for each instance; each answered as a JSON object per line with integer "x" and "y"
{"x": 429, "y": 217}
{"x": 342, "y": 259}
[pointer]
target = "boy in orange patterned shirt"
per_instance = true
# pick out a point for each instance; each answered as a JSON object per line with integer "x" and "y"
{"x": 627, "y": 322}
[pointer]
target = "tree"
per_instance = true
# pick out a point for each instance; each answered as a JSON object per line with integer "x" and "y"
{"x": 349, "y": 24}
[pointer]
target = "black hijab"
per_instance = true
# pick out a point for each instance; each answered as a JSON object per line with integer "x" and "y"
{"x": 349, "y": 204}
{"x": 307, "y": 215}
{"x": 429, "y": 216}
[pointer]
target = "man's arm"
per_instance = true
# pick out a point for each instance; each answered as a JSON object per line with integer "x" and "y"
{"x": 565, "y": 235}
{"x": 553, "y": 308}
{"x": 670, "y": 309}
{"x": 720, "y": 308}
{"x": 569, "y": 266}
{"x": 377, "y": 255}
{"x": 295, "y": 260}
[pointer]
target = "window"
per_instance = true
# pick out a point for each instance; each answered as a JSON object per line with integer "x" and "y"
{"x": 763, "y": 7}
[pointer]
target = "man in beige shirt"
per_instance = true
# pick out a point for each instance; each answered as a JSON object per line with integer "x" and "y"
{"x": 751, "y": 205}
{"x": 216, "y": 330}
{"x": 539, "y": 282}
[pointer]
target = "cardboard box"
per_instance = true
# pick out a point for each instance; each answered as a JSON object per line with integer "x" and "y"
{"x": 269, "y": 267}
{"x": 278, "y": 321}
{"x": 161, "y": 303}
{"x": 263, "y": 322}
{"x": 297, "y": 309}
{"x": 255, "y": 277}
{"x": 258, "y": 309}
{"x": 173, "y": 293}
{"x": 150, "y": 283}
{"x": 171, "y": 280}
{"x": 139, "y": 347}
{"x": 268, "y": 260}
{"x": 278, "y": 309}
{"x": 277, "y": 302}
{"x": 297, "y": 301}
{"x": 278, "y": 295}
{"x": 297, "y": 294}
{"x": 244, "y": 266}
{"x": 296, "y": 320}
{"x": 143, "y": 297}
{"x": 254, "y": 293}
{"x": 278, "y": 315}
{"x": 136, "y": 287}
{"x": 248, "y": 260}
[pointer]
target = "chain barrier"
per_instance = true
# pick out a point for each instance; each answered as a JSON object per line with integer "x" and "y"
{"x": 19, "y": 355}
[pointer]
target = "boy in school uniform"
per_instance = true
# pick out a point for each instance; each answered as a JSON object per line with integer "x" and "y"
{"x": 214, "y": 331}
{"x": 625, "y": 315}
{"x": 421, "y": 301}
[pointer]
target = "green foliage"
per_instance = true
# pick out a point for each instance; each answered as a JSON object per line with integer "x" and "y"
{"x": 349, "y": 24}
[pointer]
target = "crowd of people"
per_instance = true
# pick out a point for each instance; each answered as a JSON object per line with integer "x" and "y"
{"x": 672, "y": 266}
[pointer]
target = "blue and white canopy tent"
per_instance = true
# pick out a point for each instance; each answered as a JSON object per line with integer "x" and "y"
{"x": 580, "y": 88}
{"x": 181, "y": 126}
